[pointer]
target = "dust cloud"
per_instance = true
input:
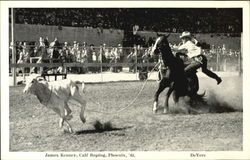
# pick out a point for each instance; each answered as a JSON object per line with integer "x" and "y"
{"x": 226, "y": 97}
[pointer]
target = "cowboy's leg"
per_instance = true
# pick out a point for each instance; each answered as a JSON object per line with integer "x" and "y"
{"x": 194, "y": 65}
{"x": 209, "y": 73}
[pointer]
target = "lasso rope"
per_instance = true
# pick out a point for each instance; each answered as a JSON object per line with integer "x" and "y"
{"x": 131, "y": 103}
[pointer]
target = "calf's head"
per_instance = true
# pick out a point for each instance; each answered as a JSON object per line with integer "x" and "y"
{"x": 31, "y": 86}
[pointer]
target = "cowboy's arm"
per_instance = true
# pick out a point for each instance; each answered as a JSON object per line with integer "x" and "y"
{"x": 182, "y": 47}
{"x": 196, "y": 42}
{"x": 180, "y": 50}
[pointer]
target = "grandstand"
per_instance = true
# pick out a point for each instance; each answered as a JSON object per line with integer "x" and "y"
{"x": 196, "y": 20}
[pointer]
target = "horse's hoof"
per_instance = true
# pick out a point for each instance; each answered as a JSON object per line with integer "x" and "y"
{"x": 154, "y": 111}
{"x": 165, "y": 111}
{"x": 155, "y": 107}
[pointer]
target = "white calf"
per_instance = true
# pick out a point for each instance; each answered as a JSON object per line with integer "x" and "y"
{"x": 55, "y": 95}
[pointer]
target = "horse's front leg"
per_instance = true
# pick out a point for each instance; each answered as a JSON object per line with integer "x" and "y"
{"x": 166, "y": 106}
{"x": 162, "y": 85}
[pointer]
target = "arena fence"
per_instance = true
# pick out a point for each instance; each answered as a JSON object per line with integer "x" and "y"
{"x": 113, "y": 59}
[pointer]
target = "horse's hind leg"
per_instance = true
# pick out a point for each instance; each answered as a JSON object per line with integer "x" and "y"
{"x": 162, "y": 85}
{"x": 166, "y": 106}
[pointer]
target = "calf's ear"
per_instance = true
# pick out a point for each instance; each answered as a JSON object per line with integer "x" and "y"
{"x": 34, "y": 81}
{"x": 39, "y": 78}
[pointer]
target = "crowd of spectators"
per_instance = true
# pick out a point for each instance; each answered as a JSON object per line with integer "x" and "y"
{"x": 44, "y": 51}
{"x": 195, "y": 20}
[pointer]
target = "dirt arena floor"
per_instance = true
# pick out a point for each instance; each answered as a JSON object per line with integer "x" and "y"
{"x": 217, "y": 127}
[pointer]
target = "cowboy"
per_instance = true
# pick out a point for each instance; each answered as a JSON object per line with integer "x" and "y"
{"x": 195, "y": 57}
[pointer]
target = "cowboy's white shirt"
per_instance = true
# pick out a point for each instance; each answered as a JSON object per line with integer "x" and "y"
{"x": 192, "y": 49}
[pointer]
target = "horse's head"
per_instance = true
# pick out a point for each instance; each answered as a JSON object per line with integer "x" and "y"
{"x": 160, "y": 43}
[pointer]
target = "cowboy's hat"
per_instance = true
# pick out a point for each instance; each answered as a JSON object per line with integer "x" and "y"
{"x": 185, "y": 34}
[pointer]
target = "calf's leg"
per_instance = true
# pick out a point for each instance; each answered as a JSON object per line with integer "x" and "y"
{"x": 61, "y": 112}
{"x": 68, "y": 112}
{"x": 69, "y": 126}
{"x": 79, "y": 98}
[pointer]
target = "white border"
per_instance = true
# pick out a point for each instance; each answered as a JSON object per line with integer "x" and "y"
{"x": 5, "y": 154}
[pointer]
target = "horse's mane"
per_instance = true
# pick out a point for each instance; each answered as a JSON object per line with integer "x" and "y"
{"x": 167, "y": 56}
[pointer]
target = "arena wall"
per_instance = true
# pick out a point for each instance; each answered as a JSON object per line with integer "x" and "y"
{"x": 217, "y": 39}
{"x": 25, "y": 32}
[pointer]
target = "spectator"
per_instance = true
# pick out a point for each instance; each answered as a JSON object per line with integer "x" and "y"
{"x": 66, "y": 52}
{"x": 84, "y": 53}
{"x": 24, "y": 57}
{"x": 40, "y": 52}
{"x": 46, "y": 42}
{"x": 55, "y": 45}
{"x": 90, "y": 53}
{"x": 90, "y": 56}
{"x": 78, "y": 53}
{"x": 61, "y": 69}
{"x": 120, "y": 56}
{"x": 73, "y": 51}
{"x": 74, "y": 55}
{"x": 18, "y": 49}
{"x": 132, "y": 58}
{"x": 107, "y": 53}
{"x": 115, "y": 58}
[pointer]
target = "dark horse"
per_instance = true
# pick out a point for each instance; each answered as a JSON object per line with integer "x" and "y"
{"x": 179, "y": 83}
